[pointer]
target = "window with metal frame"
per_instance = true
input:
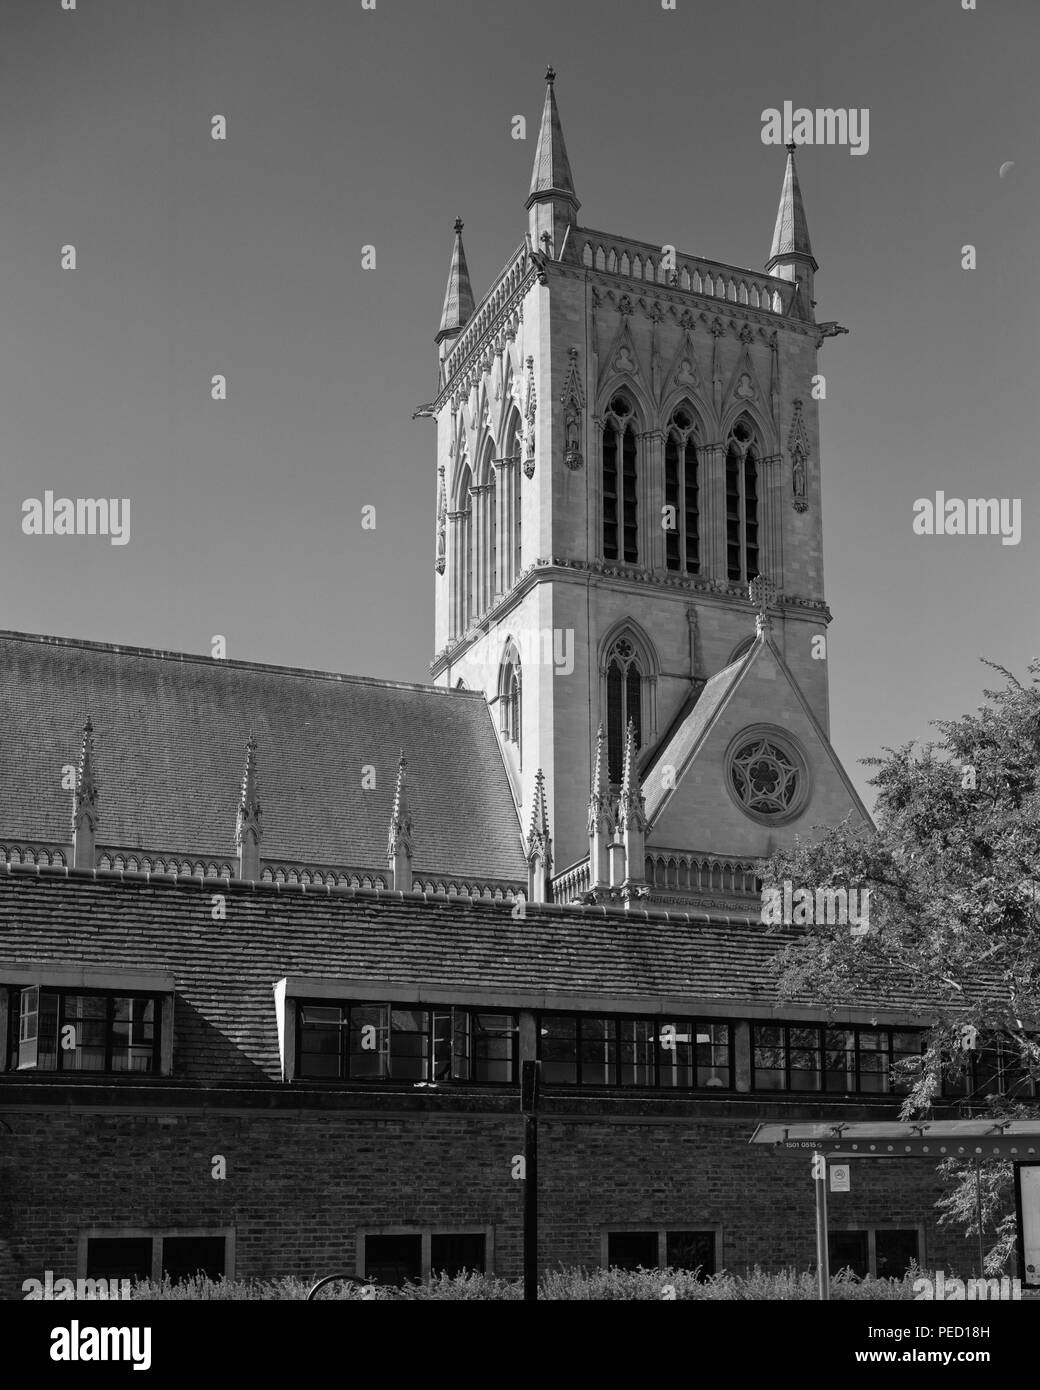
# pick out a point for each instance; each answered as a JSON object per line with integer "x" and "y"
{"x": 392, "y": 1042}
{"x": 75, "y": 1031}
{"x": 679, "y": 1054}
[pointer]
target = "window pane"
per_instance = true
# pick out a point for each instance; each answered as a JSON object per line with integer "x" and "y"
{"x": 119, "y": 1257}
{"x": 409, "y": 1044}
{"x": 368, "y": 1042}
{"x": 691, "y": 1250}
{"x": 454, "y": 1254}
{"x": 839, "y": 1059}
{"x": 320, "y": 1041}
{"x": 713, "y": 1054}
{"x": 636, "y": 1051}
{"x": 805, "y": 1059}
{"x": 133, "y": 1034}
{"x": 441, "y": 1043}
{"x": 676, "y": 1042}
{"x": 559, "y": 1050}
{"x": 873, "y": 1060}
{"x": 848, "y": 1250}
{"x": 894, "y": 1250}
{"x": 185, "y": 1256}
{"x": 393, "y": 1259}
{"x": 769, "y": 1054}
{"x": 906, "y": 1048}
{"x": 494, "y": 1042}
{"x": 86, "y": 1015}
{"x": 632, "y": 1249}
{"x": 598, "y": 1051}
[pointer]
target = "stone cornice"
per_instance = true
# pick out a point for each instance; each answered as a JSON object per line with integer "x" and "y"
{"x": 579, "y": 571}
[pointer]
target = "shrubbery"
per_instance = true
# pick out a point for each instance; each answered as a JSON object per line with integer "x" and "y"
{"x": 558, "y": 1284}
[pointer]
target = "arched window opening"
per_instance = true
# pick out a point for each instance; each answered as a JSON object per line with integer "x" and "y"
{"x": 620, "y": 520}
{"x": 624, "y": 702}
{"x": 742, "y": 484}
{"x": 682, "y": 492}
{"x": 510, "y": 700}
{"x": 465, "y": 550}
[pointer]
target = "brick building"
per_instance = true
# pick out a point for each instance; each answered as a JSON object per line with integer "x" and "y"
{"x": 282, "y": 1034}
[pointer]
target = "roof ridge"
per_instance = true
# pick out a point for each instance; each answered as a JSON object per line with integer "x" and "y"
{"x": 166, "y": 654}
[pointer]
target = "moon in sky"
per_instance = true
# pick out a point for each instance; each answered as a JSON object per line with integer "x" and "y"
{"x": 1008, "y": 164}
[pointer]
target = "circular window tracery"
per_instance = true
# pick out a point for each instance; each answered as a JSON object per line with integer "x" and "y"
{"x": 766, "y": 777}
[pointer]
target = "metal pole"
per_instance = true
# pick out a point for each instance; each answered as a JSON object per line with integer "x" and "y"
{"x": 530, "y": 1209}
{"x": 978, "y": 1210}
{"x": 823, "y": 1258}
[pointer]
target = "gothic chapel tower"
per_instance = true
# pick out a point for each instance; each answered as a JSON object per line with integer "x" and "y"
{"x": 626, "y": 440}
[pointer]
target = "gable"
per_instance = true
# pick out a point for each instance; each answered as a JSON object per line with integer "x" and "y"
{"x": 743, "y": 706}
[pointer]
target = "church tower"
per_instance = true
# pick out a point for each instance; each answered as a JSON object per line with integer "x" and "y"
{"x": 628, "y": 531}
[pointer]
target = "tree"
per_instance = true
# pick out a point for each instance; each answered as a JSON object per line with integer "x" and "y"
{"x": 952, "y": 866}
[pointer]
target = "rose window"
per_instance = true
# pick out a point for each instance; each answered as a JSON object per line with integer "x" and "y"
{"x": 765, "y": 778}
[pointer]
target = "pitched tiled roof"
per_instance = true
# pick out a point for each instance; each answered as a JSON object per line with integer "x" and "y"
{"x": 170, "y": 732}
{"x": 224, "y": 970}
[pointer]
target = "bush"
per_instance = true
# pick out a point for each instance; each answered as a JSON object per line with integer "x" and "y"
{"x": 567, "y": 1284}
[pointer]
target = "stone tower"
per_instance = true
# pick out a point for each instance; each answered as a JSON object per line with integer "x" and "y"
{"x": 627, "y": 437}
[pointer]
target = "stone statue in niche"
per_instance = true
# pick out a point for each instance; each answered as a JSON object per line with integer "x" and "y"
{"x": 572, "y": 453}
{"x": 798, "y": 482}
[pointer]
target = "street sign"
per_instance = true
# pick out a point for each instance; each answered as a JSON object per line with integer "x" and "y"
{"x": 841, "y": 1177}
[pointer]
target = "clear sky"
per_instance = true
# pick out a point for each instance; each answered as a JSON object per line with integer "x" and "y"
{"x": 349, "y": 127}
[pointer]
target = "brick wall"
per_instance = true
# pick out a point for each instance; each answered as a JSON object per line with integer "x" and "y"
{"x": 300, "y": 1184}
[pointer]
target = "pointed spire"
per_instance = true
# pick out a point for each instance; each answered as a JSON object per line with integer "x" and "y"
{"x": 539, "y": 845}
{"x": 601, "y": 821}
{"x": 248, "y": 828}
{"x": 85, "y": 804}
{"x": 791, "y": 234}
{"x": 399, "y": 846}
{"x": 551, "y": 176}
{"x": 458, "y": 296}
{"x": 632, "y": 817}
{"x": 791, "y": 256}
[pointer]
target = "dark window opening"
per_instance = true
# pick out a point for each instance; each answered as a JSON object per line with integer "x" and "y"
{"x": 184, "y": 1257}
{"x": 393, "y": 1259}
{"x": 457, "y": 1254}
{"x": 119, "y": 1257}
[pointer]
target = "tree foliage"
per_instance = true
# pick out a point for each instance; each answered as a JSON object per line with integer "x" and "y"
{"x": 953, "y": 869}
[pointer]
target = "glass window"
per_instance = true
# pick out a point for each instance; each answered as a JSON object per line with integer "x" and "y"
{"x": 849, "y": 1250}
{"x": 456, "y": 1254}
{"x": 369, "y": 1042}
{"x": 393, "y": 1259}
{"x": 632, "y": 1249}
{"x": 321, "y": 1039}
{"x": 906, "y": 1049}
{"x": 693, "y": 1250}
{"x": 805, "y": 1058}
{"x": 559, "y": 1050}
{"x": 67, "y": 1030}
{"x": 119, "y": 1257}
{"x": 494, "y": 1047}
{"x": 183, "y": 1257}
{"x": 713, "y": 1055}
{"x": 676, "y": 1041}
{"x": 636, "y": 1051}
{"x": 840, "y": 1059}
{"x": 409, "y": 1044}
{"x": 598, "y": 1051}
{"x": 894, "y": 1251}
{"x": 873, "y": 1060}
{"x": 769, "y": 1057}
